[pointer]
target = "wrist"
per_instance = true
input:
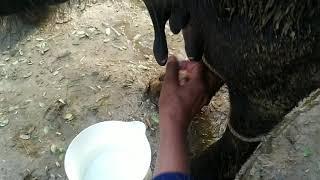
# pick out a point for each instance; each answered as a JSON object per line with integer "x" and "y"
{"x": 173, "y": 147}
{"x": 173, "y": 130}
{"x": 174, "y": 122}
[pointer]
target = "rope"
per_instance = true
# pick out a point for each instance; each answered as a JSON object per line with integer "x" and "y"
{"x": 234, "y": 132}
{"x": 247, "y": 139}
{"x": 211, "y": 68}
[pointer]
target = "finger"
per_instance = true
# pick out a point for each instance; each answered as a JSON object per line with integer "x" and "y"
{"x": 183, "y": 64}
{"x": 183, "y": 77}
{"x": 200, "y": 103}
{"x": 183, "y": 82}
{"x": 190, "y": 65}
{"x": 185, "y": 71}
{"x": 195, "y": 83}
{"x": 172, "y": 72}
{"x": 195, "y": 71}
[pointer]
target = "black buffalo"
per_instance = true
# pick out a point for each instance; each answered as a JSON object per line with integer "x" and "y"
{"x": 266, "y": 51}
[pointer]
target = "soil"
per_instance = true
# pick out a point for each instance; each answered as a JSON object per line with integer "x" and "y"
{"x": 92, "y": 64}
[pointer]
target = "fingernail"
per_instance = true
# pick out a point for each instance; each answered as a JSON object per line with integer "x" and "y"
{"x": 191, "y": 58}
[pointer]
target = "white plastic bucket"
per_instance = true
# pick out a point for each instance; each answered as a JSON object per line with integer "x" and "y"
{"x": 110, "y": 150}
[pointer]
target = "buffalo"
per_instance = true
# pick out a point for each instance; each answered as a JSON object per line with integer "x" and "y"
{"x": 266, "y": 52}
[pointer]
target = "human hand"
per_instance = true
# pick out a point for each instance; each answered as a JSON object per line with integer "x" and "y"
{"x": 180, "y": 99}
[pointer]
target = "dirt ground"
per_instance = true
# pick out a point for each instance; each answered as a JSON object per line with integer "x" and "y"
{"x": 93, "y": 64}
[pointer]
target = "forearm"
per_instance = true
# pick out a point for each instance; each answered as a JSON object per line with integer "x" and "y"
{"x": 180, "y": 100}
{"x": 173, "y": 151}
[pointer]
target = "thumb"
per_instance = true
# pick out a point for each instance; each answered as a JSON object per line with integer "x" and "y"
{"x": 172, "y": 72}
{"x": 195, "y": 70}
